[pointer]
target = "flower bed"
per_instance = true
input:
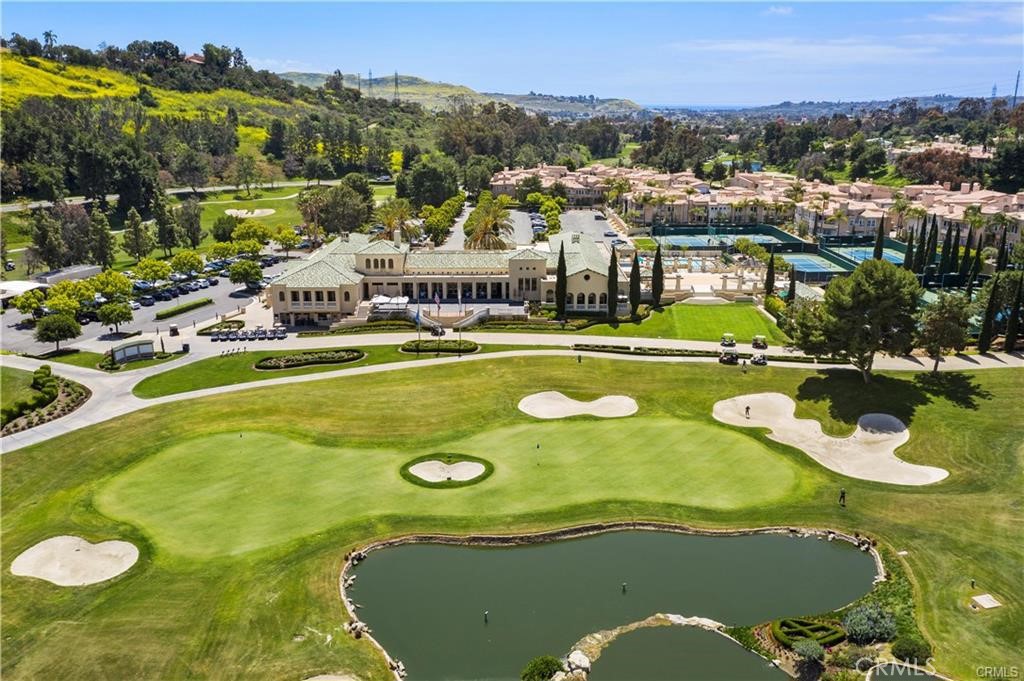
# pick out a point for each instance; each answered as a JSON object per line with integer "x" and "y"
{"x": 67, "y": 396}
{"x": 301, "y": 359}
{"x": 446, "y": 346}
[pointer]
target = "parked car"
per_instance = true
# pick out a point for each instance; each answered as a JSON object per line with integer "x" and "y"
{"x": 147, "y": 301}
{"x": 619, "y": 242}
{"x": 600, "y": 216}
{"x": 202, "y": 283}
{"x": 212, "y": 281}
{"x": 261, "y": 334}
{"x": 233, "y": 335}
{"x": 164, "y": 295}
{"x": 224, "y": 273}
{"x": 178, "y": 276}
{"x": 142, "y": 285}
{"x": 134, "y": 304}
{"x": 610, "y": 232}
{"x": 280, "y": 333}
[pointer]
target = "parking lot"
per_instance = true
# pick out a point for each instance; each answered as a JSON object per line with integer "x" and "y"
{"x": 227, "y": 297}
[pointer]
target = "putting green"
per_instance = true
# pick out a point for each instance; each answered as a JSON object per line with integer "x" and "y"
{"x": 227, "y": 494}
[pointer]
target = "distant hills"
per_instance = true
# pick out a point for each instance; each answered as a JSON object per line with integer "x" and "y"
{"x": 437, "y": 96}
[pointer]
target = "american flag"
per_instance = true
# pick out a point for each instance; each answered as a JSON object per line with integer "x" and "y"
{"x": 437, "y": 301}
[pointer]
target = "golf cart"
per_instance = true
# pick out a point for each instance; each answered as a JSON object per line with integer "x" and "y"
{"x": 760, "y": 343}
{"x": 728, "y": 356}
{"x": 728, "y": 340}
{"x": 759, "y": 359}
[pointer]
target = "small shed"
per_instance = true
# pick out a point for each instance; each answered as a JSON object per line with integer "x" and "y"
{"x": 133, "y": 350}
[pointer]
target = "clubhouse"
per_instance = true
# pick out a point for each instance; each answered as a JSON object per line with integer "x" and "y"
{"x": 341, "y": 278}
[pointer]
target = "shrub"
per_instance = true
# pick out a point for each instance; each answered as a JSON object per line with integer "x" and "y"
{"x": 436, "y": 345}
{"x": 791, "y": 630}
{"x": 809, "y": 649}
{"x": 541, "y": 668}
{"x": 841, "y": 675}
{"x": 775, "y": 307}
{"x": 853, "y": 657}
{"x": 868, "y": 623}
{"x": 185, "y": 307}
{"x": 911, "y": 649}
{"x": 301, "y": 359}
{"x": 47, "y": 389}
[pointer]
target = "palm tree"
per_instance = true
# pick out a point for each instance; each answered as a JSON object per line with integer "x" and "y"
{"x": 491, "y": 227}
{"x": 795, "y": 192}
{"x": 396, "y": 214}
{"x": 49, "y": 38}
{"x": 900, "y": 206}
{"x": 311, "y": 205}
{"x": 617, "y": 188}
{"x": 689, "y": 191}
{"x": 995, "y": 223}
{"x": 840, "y": 216}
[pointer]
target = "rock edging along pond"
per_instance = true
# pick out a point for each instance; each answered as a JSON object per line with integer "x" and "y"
{"x": 360, "y": 629}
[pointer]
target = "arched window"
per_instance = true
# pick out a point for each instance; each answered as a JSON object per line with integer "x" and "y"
{"x": 549, "y": 298}
{"x": 581, "y": 299}
{"x": 603, "y": 298}
{"x": 376, "y": 264}
{"x": 591, "y": 299}
{"x": 346, "y": 296}
{"x": 568, "y": 299}
{"x": 391, "y": 264}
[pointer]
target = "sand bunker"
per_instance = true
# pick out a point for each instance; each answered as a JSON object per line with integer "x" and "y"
{"x": 555, "y": 405}
{"x": 439, "y": 471}
{"x": 72, "y": 561}
{"x": 868, "y": 454}
{"x": 256, "y": 213}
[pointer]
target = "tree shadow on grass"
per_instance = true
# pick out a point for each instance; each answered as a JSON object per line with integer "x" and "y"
{"x": 849, "y": 398}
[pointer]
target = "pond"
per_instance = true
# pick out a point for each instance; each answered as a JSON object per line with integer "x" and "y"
{"x": 425, "y": 602}
{"x": 681, "y": 654}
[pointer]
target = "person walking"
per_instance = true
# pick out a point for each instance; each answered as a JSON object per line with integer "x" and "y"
{"x": 842, "y": 497}
{"x": 747, "y": 411}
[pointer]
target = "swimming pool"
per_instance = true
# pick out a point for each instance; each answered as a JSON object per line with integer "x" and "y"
{"x": 804, "y": 262}
{"x": 862, "y": 253}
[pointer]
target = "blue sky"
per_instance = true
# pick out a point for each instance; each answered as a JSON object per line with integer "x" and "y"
{"x": 662, "y": 53}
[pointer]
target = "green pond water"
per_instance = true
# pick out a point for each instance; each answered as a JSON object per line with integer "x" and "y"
{"x": 425, "y": 602}
{"x": 664, "y": 653}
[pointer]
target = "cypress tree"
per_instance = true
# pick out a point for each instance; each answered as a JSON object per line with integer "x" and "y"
{"x": 922, "y": 246}
{"x": 965, "y": 261}
{"x": 947, "y": 247}
{"x": 954, "y": 253}
{"x": 933, "y": 243}
{"x": 634, "y": 286}
{"x": 985, "y": 337}
{"x": 769, "y": 277}
{"x": 908, "y": 256}
{"x": 613, "y": 286}
{"x": 561, "y": 284}
{"x": 879, "y": 240}
{"x": 791, "y": 294}
{"x": 975, "y": 269}
{"x": 657, "y": 278}
{"x": 1001, "y": 259}
{"x": 1013, "y": 326}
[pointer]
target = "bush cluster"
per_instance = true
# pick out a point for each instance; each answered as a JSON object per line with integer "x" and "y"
{"x": 301, "y": 359}
{"x": 437, "y": 222}
{"x": 776, "y": 308}
{"x": 46, "y": 387}
{"x": 757, "y": 251}
{"x": 911, "y": 648}
{"x": 437, "y": 345}
{"x": 791, "y": 631}
{"x": 869, "y": 623}
{"x": 185, "y": 307}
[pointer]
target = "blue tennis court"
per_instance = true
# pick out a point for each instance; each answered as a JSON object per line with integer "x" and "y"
{"x": 862, "y": 253}
{"x": 804, "y": 262}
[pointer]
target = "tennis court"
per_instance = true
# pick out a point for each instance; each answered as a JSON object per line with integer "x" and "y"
{"x": 804, "y": 262}
{"x": 862, "y": 253}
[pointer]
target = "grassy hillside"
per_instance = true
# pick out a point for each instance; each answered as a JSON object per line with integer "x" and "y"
{"x": 28, "y": 77}
{"x": 436, "y": 95}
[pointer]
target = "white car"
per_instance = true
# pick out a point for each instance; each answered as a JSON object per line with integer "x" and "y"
{"x": 611, "y": 232}
{"x": 134, "y": 304}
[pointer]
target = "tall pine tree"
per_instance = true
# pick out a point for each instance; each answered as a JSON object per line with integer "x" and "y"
{"x": 1013, "y": 326}
{"x": 965, "y": 260}
{"x": 791, "y": 293}
{"x": 988, "y": 323}
{"x": 879, "y": 240}
{"x": 947, "y": 248}
{"x": 922, "y": 247}
{"x": 973, "y": 275}
{"x": 167, "y": 236}
{"x": 908, "y": 256}
{"x": 954, "y": 253}
{"x": 561, "y": 284}
{"x": 613, "y": 285}
{"x": 634, "y": 286}
{"x": 137, "y": 239}
{"x": 769, "y": 277}
{"x": 1001, "y": 258}
{"x": 102, "y": 241}
{"x": 657, "y": 278}
{"x": 933, "y": 243}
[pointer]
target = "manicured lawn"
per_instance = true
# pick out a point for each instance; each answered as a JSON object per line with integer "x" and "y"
{"x": 242, "y": 537}
{"x": 697, "y": 322}
{"x": 91, "y": 360}
{"x": 643, "y": 243}
{"x": 239, "y": 368}
{"x": 383, "y": 192}
{"x": 15, "y": 384}
{"x": 306, "y": 487}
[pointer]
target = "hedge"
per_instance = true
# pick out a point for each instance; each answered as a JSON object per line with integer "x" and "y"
{"x": 186, "y": 307}
{"x": 789, "y": 631}
{"x": 680, "y": 352}
{"x": 369, "y": 327}
{"x": 437, "y": 345}
{"x": 301, "y": 359}
{"x": 45, "y": 383}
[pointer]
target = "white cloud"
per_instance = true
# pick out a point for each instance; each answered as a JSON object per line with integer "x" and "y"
{"x": 778, "y": 10}
{"x": 1011, "y": 13}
